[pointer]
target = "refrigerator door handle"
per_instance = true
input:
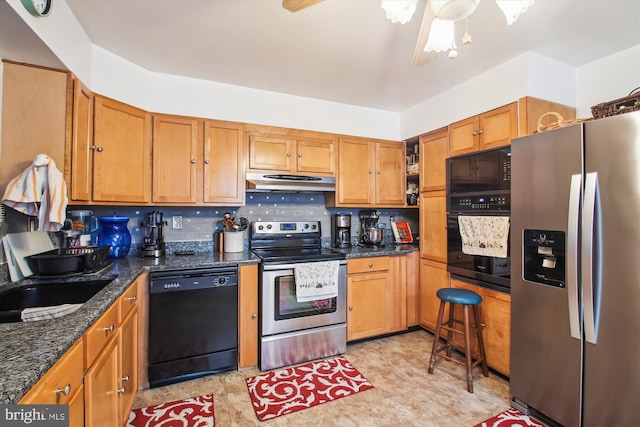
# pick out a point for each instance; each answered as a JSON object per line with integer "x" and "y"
{"x": 575, "y": 194}
{"x": 590, "y": 256}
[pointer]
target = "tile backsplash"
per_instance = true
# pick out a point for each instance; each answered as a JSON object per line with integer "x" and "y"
{"x": 199, "y": 223}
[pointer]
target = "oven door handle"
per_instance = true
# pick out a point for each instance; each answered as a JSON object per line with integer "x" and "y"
{"x": 291, "y": 266}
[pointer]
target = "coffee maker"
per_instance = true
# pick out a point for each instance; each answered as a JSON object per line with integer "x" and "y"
{"x": 341, "y": 229}
{"x": 370, "y": 233}
{"x": 153, "y": 241}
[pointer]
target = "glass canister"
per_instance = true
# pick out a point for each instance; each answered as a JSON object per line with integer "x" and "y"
{"x": 114, "y": 233}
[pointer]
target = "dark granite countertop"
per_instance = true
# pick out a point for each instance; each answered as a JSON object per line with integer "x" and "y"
{"x": 28, "y": 350}
{"x": 369, "y": 251}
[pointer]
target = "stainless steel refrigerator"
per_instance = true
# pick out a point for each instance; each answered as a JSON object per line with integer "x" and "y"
{"x": 575, "y": 283}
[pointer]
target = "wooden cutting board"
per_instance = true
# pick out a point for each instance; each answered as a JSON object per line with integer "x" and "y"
{"x": 22, "y": 245}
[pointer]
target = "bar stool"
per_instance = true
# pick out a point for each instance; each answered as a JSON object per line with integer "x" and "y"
{"x": 465, "y": 298}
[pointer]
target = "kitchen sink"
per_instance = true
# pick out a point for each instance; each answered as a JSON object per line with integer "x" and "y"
{"x": 13, "y": 301}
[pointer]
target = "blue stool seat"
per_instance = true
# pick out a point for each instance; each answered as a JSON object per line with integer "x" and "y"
{"x": 459, "y": 296}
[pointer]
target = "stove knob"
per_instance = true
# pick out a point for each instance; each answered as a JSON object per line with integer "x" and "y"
{"x": 313, "y": 226}
{"x": 269, "y": 226}
{"x": 260, "y": 227}
{"x": 306, "y": 226}
{"x": 222, "y": 280}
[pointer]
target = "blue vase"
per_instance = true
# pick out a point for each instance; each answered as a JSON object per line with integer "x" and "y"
{"x": 114, "y": 233}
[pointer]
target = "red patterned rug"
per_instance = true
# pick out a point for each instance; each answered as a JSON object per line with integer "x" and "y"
{"x": 510, "y": 418}
{"x": 192, "y": 412}
{"x": 289, "y": 390}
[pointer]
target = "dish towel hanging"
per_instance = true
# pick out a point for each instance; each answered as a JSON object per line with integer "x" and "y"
{"x": 316, "y": 280}
{"x": 42, "y": 183}
{"x": 485, "y": 235}
{"x": 51, "y": 312}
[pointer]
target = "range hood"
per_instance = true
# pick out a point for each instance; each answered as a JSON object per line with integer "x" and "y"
{"x": 293, "y": 183}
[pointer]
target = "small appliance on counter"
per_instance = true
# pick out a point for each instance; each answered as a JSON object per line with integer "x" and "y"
{"x": 153, "y": 241}
{"x": 341, "y": 229}
{"x": 370, "y": 232}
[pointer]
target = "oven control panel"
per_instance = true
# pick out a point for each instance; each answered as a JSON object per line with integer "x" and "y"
{"x": 489, "y": 202}
{"x": 280, "y": 227}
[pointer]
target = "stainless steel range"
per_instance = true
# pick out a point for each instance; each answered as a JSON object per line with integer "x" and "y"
{"x": 296, "y": 326}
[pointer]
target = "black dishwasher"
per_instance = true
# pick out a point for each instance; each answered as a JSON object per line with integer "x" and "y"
{"x": 193, "y": 324}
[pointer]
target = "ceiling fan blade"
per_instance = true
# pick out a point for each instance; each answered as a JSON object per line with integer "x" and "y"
{"x": 296, "y": 5}
{"x": 420, "y": 57}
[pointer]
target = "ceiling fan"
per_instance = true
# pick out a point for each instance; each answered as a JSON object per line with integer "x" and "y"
{"x": 436, "y": 13}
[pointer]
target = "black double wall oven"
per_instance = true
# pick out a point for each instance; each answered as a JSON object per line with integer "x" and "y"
{"x": 478, "y": 184}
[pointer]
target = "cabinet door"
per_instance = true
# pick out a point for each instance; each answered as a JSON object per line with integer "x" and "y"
{"x": 367, "y": 306}
{"x": 498, "y": 127}
{"x": 397, "y": 295}
{"x": 128, "y": 374}
{"x": 101, "y": 388}
{"x": 224, "y": 181}
{"x": 434, "y": 150}
{"x": 177, "y": 149}
{"x": 433, "y": 227}
{"x": 355, "y": 182}
{"x": 122, "y": 161}
{"x": 413, "y": 289}
{"x": 463, "y": 136}
{"x": 433, "y": 276}
{"x": 248, "y": 321}
{"x": 273, "y": 154}
{"x": 497, "y": 329}
{"x": 81, "y": 142}
{"x": 316, "y": 157}
{"x": 390, "y": 174}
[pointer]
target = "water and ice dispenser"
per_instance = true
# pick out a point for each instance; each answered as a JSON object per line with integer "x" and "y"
{"x": 544, "y": 257}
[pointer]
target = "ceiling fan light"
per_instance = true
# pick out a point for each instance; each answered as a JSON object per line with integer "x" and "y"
{"x": 512, "y": 9}
{"x": 440, "y": 36}
{"x": 399, "y": 10}
{"x": 454, "y": 10}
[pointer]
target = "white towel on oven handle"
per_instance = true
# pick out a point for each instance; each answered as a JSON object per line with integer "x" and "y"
{"x": 484, "y": 235}
{"x": 316, "y": 280}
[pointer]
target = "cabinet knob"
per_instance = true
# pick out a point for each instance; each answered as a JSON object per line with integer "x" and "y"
{"x": 109, "y": 329}
{"x": 379, "y": 172}
{"x": 288, "y": 154}
{"x": 370, "y": 264}
{"x": 132, "y": 299}
{"x": 480, "y": 132}
{"x": 122, "y": 390}
{"x": 370, "y": 172}
{"x": 206, "y": 162}
{"x": 193, "y": 161}
{"x": 350, "y": 308}
{"x": 474, "y": 133}
{"x": 299, "y": 154}
{"x": 253, "y": 316}
{"x": 66, "y": 390}
{"x": 125, "y": 378}
{"x": 92, "y": 147}
{"x": 99, "y": 149}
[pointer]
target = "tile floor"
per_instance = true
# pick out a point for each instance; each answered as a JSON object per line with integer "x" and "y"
{"x": 404, "y": 394}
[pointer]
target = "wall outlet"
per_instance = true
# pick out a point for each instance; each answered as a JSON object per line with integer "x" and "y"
{"x": 176, "y": 222}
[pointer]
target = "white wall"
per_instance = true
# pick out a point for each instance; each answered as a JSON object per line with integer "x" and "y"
{"x": 607, "y": 79}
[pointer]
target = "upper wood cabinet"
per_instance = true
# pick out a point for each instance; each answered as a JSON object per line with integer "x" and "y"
{"x": 433, "y": 170}
{"x": 433, "y": 226}
{"x": 290, "y": 151}
{"x": 494, "y": 128}
{"x": 224, "y": 150}
{"x": 81, "y": 154}
{"x": 34, "y": 117}
{"x": 197, "y": 161}
{"x": 122, "y": 153}
{"x": 370, "y": 173}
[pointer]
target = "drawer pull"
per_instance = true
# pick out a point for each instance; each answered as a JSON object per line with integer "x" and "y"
{"x": 109, "y": 329}
{"x": 370, "y": 264}
{"x": 350, "y": 308}
{"x": 122, "y": 390}
{"x": 66, "y": 390}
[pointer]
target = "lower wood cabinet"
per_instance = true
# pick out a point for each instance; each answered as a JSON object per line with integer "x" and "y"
{"x": 433, "y": 276}
{"x": 495, "y": 319}
{"x": 62, "y": 384}
{"x": 376, "y": 296}
{"x": 248, "y": 316}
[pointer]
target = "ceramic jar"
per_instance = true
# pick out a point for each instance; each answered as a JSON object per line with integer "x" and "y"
{"x": 114, "y": 233}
